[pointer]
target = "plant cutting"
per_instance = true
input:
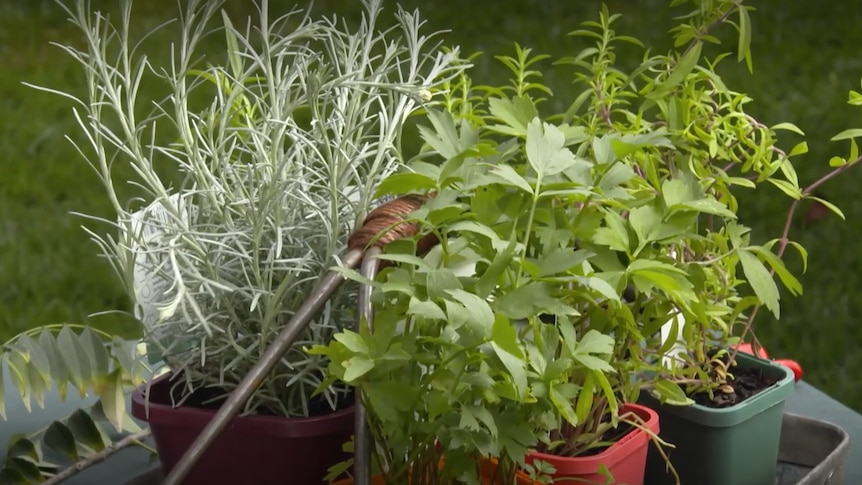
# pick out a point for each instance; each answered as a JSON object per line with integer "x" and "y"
{"x": 251, "y": 174}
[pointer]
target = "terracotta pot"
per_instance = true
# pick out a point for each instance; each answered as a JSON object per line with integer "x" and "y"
{"x": 625, "y": 459}
{"x": 262, "y": 450}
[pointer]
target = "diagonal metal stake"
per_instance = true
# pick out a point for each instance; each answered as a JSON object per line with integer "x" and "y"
{"x": 252, "y": 381}
{"x": 362, "y": 438}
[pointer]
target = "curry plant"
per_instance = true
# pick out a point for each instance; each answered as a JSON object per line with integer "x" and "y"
{"x": 555, "y": 216}
{"x": 252, "y": 172}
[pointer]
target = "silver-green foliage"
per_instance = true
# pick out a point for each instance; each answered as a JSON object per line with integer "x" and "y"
{"x": 280, "y": 143}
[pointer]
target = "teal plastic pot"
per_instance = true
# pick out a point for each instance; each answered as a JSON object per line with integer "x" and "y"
{"x": 737, "y": 445}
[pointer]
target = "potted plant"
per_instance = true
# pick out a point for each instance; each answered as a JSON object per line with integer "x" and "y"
{"x": 721, "y": 409}
{"x": 252, "y": 173}
{"x": 503, "y": 338}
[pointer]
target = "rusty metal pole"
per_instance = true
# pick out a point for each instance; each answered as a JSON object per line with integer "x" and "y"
{"x": 362, "y": 438}
{"x": 252, "y": 381}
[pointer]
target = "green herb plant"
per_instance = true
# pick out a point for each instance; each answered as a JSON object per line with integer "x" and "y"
{"x": 252, "y": 172}
{"x": 567, "y": 241}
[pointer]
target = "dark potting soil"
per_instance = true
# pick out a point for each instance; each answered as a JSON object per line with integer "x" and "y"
{"x": 213, "y": 398}
{"x": 746, "y": 382}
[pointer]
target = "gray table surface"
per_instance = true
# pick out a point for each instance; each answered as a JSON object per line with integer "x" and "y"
{"x": 132, "y": 462}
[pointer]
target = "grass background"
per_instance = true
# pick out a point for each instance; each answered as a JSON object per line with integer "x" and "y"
{"x": 805, "y": 60}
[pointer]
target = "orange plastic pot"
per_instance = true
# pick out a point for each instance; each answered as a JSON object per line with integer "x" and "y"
{"x": 625, "y": 459}
{"x": 487, "y": 476}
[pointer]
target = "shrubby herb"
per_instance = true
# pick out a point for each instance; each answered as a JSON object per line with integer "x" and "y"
{"x": 514, "y": 332}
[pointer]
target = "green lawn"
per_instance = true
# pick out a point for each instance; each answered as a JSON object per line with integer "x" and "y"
{"x": 806, "y": 59}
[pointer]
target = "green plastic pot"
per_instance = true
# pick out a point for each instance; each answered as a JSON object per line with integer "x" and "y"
{"x": 737, "y": 445}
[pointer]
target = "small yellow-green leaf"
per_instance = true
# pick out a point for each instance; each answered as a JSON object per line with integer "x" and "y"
{"x": 800, "y": 149}
{"x": 787, "y": 126}
{"x": 837, "y": 162}
{"x": 744, "y": 47}
{"x": 847, "y": 134}
{"x": 829, "y": 205}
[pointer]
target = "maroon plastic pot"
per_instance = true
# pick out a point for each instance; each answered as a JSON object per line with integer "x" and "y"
{"x": 262, "y": 450}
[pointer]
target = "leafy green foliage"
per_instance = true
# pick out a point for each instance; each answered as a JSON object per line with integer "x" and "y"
{"x": 278, "y": 153}
{"x": 556, "y": 215}
{"x": 70, "y": 358}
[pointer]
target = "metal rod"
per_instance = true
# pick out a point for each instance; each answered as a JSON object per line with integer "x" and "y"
{"x": 254, "y": 378}
{"x": 362, "y": 438}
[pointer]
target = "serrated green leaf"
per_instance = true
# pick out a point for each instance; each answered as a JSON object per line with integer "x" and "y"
{"x": 425, "y": 309}
{"x": 352, "y": 341}
{"x": 491, "y": 276}
{"x": 110, "y": 392}
{"x": 439, "y": 282}
{"x": 478, "y": 310}
{"x": 545, "y": 149}
{"x": 760, "y": 281}
{"x": 85, "y": 430}
{"x": 504, "y": 335}
{"x": 560, "y": 260}
{"x": 594, "y": 363}
{"x": 59, "y": 438}
{"x": 670, "y": 393}
{"x": 608, "y": 391}
{"x": 506, "y": 175}
{"x": 595, "y": 342}
{"x": 356, "y": 367}
{"x": 516, "y": 368}
{"x": 706, "y": 206}
{"x": 405, "y": 183}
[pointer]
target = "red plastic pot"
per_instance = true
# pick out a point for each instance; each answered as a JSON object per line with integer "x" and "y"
{"x": 625, "y": 459}
{"x": 262, "y": 450}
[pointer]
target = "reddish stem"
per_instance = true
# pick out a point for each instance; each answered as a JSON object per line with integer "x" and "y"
{"x": 785, "y": 239}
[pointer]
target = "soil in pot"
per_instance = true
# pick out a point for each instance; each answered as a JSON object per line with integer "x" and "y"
{"x": 743, "y": 383}
{"x": 213, "y": 397}
{"x": 730, "y": 439}
{"x": 625, "y": 459}
{"x": 259, "y": 449}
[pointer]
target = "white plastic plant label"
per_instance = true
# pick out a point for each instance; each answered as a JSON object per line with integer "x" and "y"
{"x": 150, "y": 285}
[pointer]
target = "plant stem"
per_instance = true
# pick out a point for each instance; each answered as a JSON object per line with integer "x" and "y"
{"x": 785, "y": 240}
{"x": 98, "y": 457}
